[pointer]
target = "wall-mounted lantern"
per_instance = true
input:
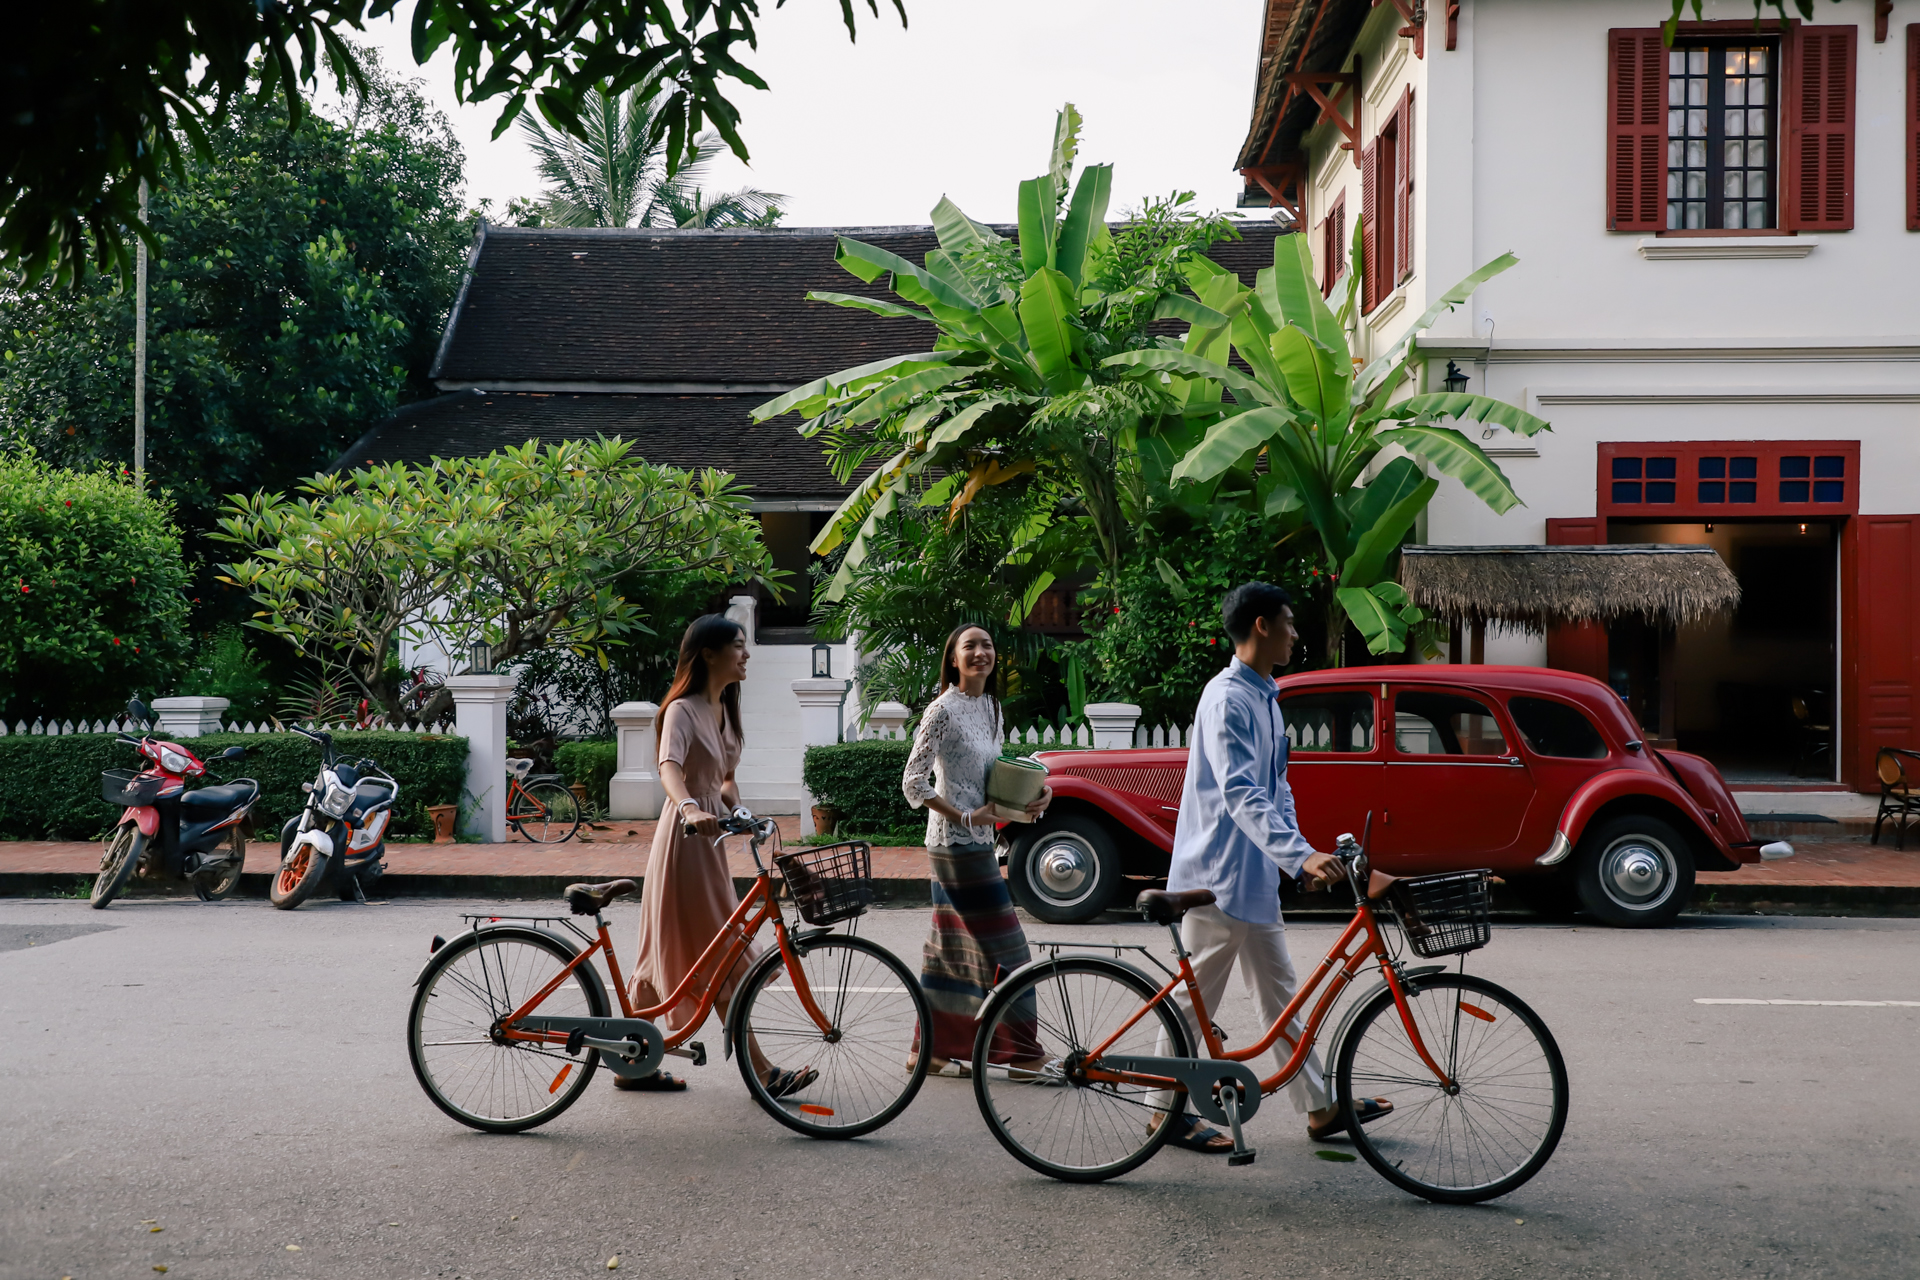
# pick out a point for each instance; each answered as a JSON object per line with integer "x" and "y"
{"x": 823, "y": 661}
{"x": 1455, "y": 381}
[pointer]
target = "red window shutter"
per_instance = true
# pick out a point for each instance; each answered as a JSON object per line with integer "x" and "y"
{"x": 1818, "y": 159}
{"x": 1912, "y": 131}
{"x": 1578, "y": 646}
{"x": 1403, "y": 187}
{"x": 1370, "y": 290}
{"x": 1636, "y": 130}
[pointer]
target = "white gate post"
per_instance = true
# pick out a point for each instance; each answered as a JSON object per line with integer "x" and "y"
{"x": 889, "y": 720}
{"x": 188, "y": 717}
{"x": 635, "y": 790}
{"x": 480, "y": 716}
{"x": 745, "y": 610}
{"x": 820, "y": 702}
{"x": 1112, "y": 723}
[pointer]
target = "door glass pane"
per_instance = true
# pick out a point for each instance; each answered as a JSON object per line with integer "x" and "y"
{"x": 1556, "y": 729}
{"x": 1339, "y": 720}
{"x": 1445, "y": 724}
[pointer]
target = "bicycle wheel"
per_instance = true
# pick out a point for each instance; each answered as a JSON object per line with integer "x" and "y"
{"x": 117, "y": 861}
{"x": 1058, "y": 1122}
{"x": 1484, "y": 1137}
{"x": 877, "y": 1015}
{"x": 544, "y": 812}
{"x": 501, "y": 1086}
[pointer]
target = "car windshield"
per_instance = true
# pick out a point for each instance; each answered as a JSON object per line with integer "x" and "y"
{"x": 1556, "y": 729}
{"x": 1430, "y": 723}
{"x": 1340, "y": 720}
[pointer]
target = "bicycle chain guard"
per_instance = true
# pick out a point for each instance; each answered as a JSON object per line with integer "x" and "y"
{"x": 648, "y": 1045}
{"x": 1201, "y": 1076}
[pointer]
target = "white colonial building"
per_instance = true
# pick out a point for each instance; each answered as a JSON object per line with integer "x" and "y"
{"x": 1717, "y": 307}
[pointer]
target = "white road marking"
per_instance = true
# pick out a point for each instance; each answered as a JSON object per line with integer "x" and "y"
{"x": 1845, "y": 1004}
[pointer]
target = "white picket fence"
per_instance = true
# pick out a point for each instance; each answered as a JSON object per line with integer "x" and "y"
{"x": 1166, "y": 735}
{"x": 60, "y": 728}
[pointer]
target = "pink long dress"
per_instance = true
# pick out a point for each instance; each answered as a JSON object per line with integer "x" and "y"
{"x": 689, "y": 894}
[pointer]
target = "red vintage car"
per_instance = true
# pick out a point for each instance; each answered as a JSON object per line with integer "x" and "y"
{"x": 1541, "y": 775}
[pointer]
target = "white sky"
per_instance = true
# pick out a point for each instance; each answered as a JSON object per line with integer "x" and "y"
{"x": 961, "y": 103}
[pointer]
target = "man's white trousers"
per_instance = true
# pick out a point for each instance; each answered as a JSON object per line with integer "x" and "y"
{"x": 1214, "y": 941}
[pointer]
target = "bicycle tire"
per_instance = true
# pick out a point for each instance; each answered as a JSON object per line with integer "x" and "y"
{"x": 1078, "y": 1003}
{"x": 117, "y": 861}
{"x": 1487, "y": 1139}
{"x": 878, "y": 1014}
{"x": 502, "y": 1087}
{"x": 553, "y": 820}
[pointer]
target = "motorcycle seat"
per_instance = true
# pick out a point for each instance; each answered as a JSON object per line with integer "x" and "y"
{"x": 224, "y": 798}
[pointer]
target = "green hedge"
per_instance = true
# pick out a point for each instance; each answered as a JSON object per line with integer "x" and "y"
{"x": 52, "y": 787}
{"x": 591, "y": 764}
{"x": 862, "y": 781}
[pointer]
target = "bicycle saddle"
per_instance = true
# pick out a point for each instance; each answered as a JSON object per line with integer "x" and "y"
{"x": 1163, "y": 907}
{"x": 1378, "y": 883}
{"x": 586, "y": 899}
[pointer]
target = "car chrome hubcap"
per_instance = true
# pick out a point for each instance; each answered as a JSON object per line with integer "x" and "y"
{"x": 1063, "y": 870}
{"x": 1637, "y": 872}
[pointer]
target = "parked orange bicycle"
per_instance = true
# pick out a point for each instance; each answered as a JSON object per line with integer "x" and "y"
{"x": 1477, "y": 1082}
{"x": 510, "y": 1019}
{"x": 538, "y": 806}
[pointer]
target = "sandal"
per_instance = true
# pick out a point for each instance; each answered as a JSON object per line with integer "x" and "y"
{"x": 1052, "y": 1071}
{"x": 781, "y": 1083}
{"x": 1367, "y": 1109}
{"x": 1195, "y": 1136}
{"x": 658, "y": 1082}
{"x": 951, "y": 1069}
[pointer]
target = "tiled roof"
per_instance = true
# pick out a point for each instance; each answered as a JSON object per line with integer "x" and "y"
{"x": 669, "y": 430}
{"x": 728, "y": 307}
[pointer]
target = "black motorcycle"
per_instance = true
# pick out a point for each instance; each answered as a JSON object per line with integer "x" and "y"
{"x": 339, "y": 838}
{"x": 167, "y": 833}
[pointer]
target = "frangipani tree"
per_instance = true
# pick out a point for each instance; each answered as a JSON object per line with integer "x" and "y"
{"x": 1322, "y": 422}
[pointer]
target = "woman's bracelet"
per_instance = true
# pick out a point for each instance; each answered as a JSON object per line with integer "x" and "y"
{"x": 684, "y": 803}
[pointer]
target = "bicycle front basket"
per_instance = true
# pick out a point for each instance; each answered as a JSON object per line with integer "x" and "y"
{"x": 1444, "y": 915}
{"x": 124, "y": 787}
{"x": 829, "y": 882}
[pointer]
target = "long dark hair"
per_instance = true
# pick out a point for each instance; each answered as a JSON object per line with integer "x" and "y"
{"x": 707, "y": 632}
{"x": 950, "y": 665}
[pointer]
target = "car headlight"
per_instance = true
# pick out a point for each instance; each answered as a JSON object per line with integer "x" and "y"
{"x": 173, "y": 761}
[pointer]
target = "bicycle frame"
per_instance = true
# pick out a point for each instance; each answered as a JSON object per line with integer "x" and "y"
{"x": 1360, "y": 943}
{"x": 729, "y": 946}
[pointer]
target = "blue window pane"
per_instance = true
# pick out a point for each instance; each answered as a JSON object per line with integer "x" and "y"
{"x": 1661, "y": 469}
{"x": 1793, "y": 491}
{"x": 1832, "y": 468}
{"x": 1624, "y": 491}
{"x": 1795, "y": 468}
{"x": 1829, "y": 490}
{"x": 1713, "y": 468}
{"x": 1626, "y": 468}
{"x": 1741, "y": 491}
{"x": 1713, "y": 491}
{"x": 1743, "y": 468}
{"x": 1660, "y": 491}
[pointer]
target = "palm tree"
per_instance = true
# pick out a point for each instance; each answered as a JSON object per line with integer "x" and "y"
{"x": 617, "y": 176}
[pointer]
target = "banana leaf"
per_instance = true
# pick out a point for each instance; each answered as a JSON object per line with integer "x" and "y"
{"x": 1460, "y": 458}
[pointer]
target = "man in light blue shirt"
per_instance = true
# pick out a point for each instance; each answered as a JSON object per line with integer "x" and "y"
{"x": 1236, "y": 835}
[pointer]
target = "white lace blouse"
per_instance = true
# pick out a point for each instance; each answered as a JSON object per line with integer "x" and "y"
{"x": 957, "y": 742}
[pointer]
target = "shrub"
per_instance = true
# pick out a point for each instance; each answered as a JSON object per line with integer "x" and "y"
{"x": 93, "y": 599}
{"x": 225, "y": 666}
{"x": 862, "y": 781}
{"x": 591, "y": 764}
{"x": 53, "y": 784}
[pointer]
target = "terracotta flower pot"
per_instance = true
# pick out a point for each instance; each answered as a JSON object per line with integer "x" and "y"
{"x": 825, "y": 819}
{"x": 579, "y": 790}
{"x": 444, "y": 816}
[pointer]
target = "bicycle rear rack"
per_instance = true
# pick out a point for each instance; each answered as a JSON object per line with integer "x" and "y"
{"x": 1053, "y": 950}
{"x": 481, "y": 919}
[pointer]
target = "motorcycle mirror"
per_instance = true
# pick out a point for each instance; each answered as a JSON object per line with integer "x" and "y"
{"x": 139, "y": 711}
{"x": 233, "y": 753}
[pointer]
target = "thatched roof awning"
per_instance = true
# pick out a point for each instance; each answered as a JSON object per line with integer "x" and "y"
{"x": 1536, "y": 587}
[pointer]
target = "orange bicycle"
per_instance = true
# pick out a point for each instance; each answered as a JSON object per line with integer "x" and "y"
{"x": 538, "y": 806}
{"x": 1477, "y": 1082}
{"x": 510, "y": 1019}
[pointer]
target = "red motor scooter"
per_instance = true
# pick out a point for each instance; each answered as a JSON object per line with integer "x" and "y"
{"x": 170, "y": 833}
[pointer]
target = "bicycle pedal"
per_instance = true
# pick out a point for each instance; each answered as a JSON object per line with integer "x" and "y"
{"x": 694, "y": 1051}
{"x": 574, "y": 1037}
{"x": 1242, "y": 1157}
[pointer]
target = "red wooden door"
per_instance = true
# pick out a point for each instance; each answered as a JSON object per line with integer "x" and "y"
{"x": 1879, "y": 640}
{"x": 1579, "y": 646}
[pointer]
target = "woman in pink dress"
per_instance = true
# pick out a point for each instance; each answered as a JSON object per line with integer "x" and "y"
{"x": 688, "y": 896}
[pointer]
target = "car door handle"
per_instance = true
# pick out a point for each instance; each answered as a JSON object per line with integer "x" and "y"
{"x": 1171, "y": 808}
{"x": 1509, "y": 759}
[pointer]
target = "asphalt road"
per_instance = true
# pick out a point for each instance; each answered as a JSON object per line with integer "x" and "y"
{"x": 237, "y": 1077}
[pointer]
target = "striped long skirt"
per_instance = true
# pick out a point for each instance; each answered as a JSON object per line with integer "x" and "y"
{"x": 976, "y": 939}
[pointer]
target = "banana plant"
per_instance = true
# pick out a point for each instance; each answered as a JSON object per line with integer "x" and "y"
{"x": 1014, "y": 387}
{"x": 1322, "y": 421}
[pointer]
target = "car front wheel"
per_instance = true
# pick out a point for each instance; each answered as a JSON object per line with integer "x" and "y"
{"x": 1633, "y": 871}
{"x": 1067, "y": 871}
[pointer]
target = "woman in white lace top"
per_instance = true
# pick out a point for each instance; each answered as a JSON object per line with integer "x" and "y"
{"x": 975, "y": 936}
